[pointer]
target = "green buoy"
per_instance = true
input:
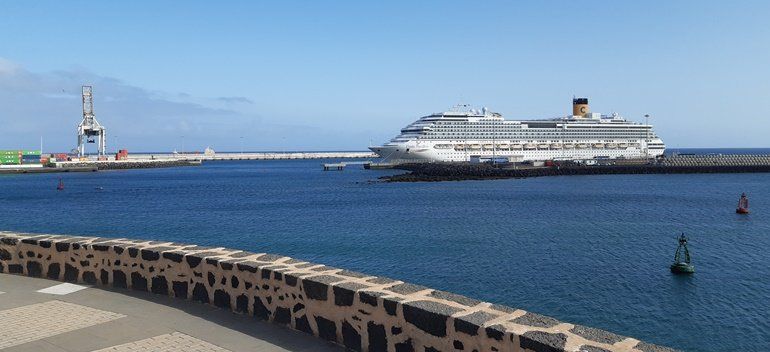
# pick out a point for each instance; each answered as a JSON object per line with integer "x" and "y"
{"x": 679, "y": 266}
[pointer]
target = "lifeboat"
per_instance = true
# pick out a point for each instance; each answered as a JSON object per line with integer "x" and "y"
{"x": 474, "y": 146}
{"x": 530, "y": 146}
{"x": 488, "y": 146}
{"x": 611, "y": 145}
{"x": 743, "y": 205}
{"x": 517, "y": 146}
{"x": 459, "y": 146}
{"x": 503, "y": 146}
{"x": 542, "y": 146}
{"x": 555, "y": 145}
{"x": 623, "y": 145}
{"x": 569, "y": 146}
{"x": 582, "y": 146}
{"x": 442, "y": 146}
{"x": 598, "y": 145}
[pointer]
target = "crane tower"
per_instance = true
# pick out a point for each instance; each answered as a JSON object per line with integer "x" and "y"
{"x": 89, "y": 129}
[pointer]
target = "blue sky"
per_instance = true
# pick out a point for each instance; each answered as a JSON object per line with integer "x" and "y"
{"x": 310, "y": 75}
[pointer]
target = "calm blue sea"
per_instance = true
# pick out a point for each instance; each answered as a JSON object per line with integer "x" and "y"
{"x": 593, "y": 250}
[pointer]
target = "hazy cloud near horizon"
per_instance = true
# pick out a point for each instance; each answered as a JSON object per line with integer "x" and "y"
{"x": 48, "y": 105}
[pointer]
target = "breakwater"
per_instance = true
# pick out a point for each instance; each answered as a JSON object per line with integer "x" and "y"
{"x": 675, "y": 165}
{"x": 125, "y": 164}
{"x": 360, "y": 311}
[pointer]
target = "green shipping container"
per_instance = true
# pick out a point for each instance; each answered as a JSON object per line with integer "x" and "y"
{"x": 31, "y": 152}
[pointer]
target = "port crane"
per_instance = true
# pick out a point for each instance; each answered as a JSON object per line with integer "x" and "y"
{"x": 89, "y": 130}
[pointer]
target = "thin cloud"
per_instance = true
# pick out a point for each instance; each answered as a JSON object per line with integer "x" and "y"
{"x": 241, "y": 100}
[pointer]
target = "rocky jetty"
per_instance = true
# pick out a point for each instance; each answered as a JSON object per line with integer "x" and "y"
{"x": 132, "y": 164}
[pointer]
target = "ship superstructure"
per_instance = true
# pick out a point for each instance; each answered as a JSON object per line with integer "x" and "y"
{"x": 463, "y": 133}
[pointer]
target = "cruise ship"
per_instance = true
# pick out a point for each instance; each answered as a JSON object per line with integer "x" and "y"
{"x": 465, "y": 134}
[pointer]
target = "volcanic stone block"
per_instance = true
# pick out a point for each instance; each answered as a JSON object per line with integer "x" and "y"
{"x": 302, "y": 324}
{"x": 15, "y": 269}
{"x": 647, "y": 347}
{"x": 34, "y": 269}
{"x": 104, "y": 276}
{"x": 470, "y": 302}
{"x": 212, "y": 279}
{"x": 53, "y": 271}
{"x": 405, "y": 346}
{"x": 159, "y": 285}
{"x": 369, "y": 297}
{"x": 4, "y": 254}
{"x": 89, "y": 277}
{"x": 249, "y": 266}
{"x": 138, "y": 282}
{"x": 70, "y": 273}
{"x": 133, "y": 252}
{"x": 200, "y": 293}
{"x": 260, "y": 311}
{"x": 180, "y": 289}
{"x": 378, "y": 339}
{"x": 496, "y": 332}
{"x": 406, "y": 288}
{"x": 429, "y": 316}
{"x": 174, "y": 256}
{"x": 44, "y": 243}
{"x": 221, "y": 299}
{"x": 119, "y": 279}
{"x": 242, "y": 304}
{"x": 350, "y": 337}
{"x": 536, "y": 320}
{"x": 282, "y": 315}
{"x": 345, "y": 292}
{"x": 390, "y": 304}
{"x": 596, "y": 335}
{"x": 352, "y": 274}
{"x": 8, "y": 241}
{"x": 317, "y": 287}
{"x": 471, "y": 323}
{"x": 327, "y": 330}
{"x": 543, "y": 341}
{"x": 269, "y": 257}
{"x": 62, "y": 246}
{"x": 290, "y": 279}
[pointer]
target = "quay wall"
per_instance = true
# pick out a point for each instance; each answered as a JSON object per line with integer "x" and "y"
{"x": 254, "y": 156}
{"x": 359, "y": 311}
{"x": 465, "y": 171}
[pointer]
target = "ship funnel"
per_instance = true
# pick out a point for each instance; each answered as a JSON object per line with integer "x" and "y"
{"x": 580, "y": 107}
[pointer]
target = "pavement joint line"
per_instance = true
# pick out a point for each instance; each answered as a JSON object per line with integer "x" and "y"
{"x": 62, "y": 289}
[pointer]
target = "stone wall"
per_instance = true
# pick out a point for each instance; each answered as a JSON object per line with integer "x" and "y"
{"x": 359, "y": 311}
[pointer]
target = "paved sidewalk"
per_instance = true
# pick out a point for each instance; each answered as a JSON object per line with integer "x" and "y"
{"x": 64, "y": 318}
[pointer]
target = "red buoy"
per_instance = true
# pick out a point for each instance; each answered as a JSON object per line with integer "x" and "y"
{"x": 743, "y": 205}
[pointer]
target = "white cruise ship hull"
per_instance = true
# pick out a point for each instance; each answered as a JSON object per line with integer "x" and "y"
{"x": 406, "y": 153}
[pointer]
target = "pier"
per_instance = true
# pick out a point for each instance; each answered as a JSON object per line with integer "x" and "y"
{"x": 684, "y": 164}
